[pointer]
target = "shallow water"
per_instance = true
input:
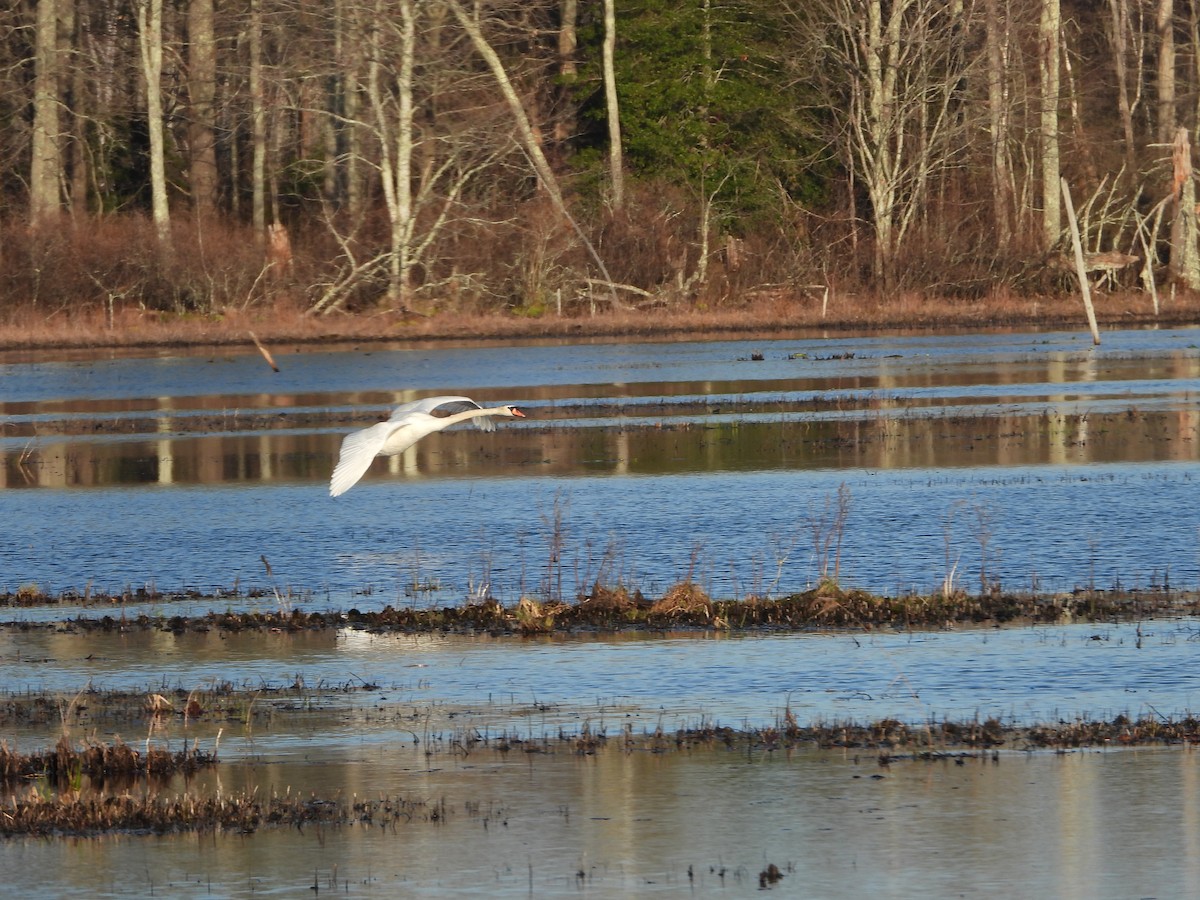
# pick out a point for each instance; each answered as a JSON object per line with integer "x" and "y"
{"x": 1092, "y": 824}
{"x": 1018, "y": 675}
{"x": 1032, "y": 460}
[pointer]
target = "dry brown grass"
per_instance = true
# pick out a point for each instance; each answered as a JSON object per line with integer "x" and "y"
{"x": 98, "y": 760}
{"x": 283, "y": 321}
{"x": 684, "y": 599}
{"x": 610, "y": 600}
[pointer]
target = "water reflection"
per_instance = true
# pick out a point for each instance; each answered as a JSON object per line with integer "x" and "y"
{"x": 890, "y": 403}
{"x": 714, "y": 444}
{"x": 1020, "y": 675}
{"x": 704, "y": 823}
{"x": 666, "y": 460}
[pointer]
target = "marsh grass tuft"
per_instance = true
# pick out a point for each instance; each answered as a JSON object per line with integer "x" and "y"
{"x": 100, "y": 812}
{"x": 64, "y": 766}
{"x": 684, "y": 600}
{"x": 537, "y": 618}
{"x": 827, "y": 605}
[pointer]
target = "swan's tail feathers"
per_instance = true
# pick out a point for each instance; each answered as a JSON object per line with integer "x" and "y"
{"x": 358, "y": 450}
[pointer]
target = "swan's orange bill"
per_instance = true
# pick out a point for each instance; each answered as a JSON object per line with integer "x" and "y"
{"x": 516, "y": 412}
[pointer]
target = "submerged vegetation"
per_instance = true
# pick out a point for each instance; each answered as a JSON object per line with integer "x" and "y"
{"x": 93, "y": 813}
{"x": 103, "y": 788}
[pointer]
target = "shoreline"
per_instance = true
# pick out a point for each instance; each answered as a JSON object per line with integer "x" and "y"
{"x": 281, "y": 325}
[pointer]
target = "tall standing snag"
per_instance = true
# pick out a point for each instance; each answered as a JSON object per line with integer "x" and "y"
{"x": 1080, "y": 266}
{"x": 1184, "y": 264}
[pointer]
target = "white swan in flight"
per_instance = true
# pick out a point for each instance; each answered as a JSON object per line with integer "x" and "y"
{"x": 408, "y": 424}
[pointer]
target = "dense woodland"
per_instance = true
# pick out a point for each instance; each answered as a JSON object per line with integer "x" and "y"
{"x": 565, "y": 156}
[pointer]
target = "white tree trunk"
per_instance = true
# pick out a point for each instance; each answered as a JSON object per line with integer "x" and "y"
{"x": 149, "y": 14}
{"x": 258, "y": 125}
{"x": 46, "y": 163}
{"x": 528, "y": 138}
{"x": 998, "y": 113}
{"x": 1049, "y": 29}
{"x": 395, "y": 168}
{"x": 615, "y": 153}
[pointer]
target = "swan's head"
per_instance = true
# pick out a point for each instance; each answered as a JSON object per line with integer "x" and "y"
{"x": 514, "y": 412}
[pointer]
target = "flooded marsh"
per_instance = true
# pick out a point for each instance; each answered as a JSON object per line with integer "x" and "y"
{"x": 210, "y": 598}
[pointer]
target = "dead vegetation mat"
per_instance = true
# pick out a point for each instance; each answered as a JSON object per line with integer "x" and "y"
{"x": 56, "y": 801}
{"x": 99, "y": 761}
{"x": 93, "y": 813}
{"x": 685, "y": 605}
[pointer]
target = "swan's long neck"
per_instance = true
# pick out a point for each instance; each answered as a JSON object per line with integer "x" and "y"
{"x": 472, "y": 414}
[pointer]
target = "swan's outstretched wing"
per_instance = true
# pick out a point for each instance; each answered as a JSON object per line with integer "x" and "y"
{"x": 445, "y": 405}
{"x": 358, "y": 450}
{"x": 429, "y": 404}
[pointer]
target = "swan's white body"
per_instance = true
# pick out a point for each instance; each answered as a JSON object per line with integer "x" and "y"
{"x": 408, "y": 424}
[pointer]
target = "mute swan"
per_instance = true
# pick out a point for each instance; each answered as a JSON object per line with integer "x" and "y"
{"x": 408, "y": 424}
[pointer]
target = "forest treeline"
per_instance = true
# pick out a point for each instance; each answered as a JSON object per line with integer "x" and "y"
{"x": 543, "y": 156}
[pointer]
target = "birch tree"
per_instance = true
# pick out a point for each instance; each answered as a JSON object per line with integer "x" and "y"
{"x": 1049, "y": 70}
{"x": 529, "y": 140}
{"x": 616, "y": 164}
{"x": 45, "y": 156}
{"x": 150, "y": 43}
{"x": 395, "y": 166}
{"x": 890, "y": 74}
{"x": 423, "y": 163}
{"x": 997, "y": 39}
{"x": 258, "y": 123}
{"x": 201, "y": 86}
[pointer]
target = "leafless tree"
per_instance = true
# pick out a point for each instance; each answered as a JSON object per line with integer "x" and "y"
{"x": 891, "y": 75}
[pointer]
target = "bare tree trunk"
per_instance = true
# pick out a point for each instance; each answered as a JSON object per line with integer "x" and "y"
{"x": 1165, "y": 25}
{"x": 894, "y": 73}
{"x": 202, "y": 87}
{"x": 881, "y": 48}
{"x": 1184, "y": 265}
{"x": 75, "y": 23}
{"x": 528, "y": 138}
{"x": 352, "y": 99}
{"x": 150, "y": 41}
{"x": 258, "y": 125}
{"x": 998, "y": 112}
{"x": 1085, "y": 289}
{"x": 333, "y": 128}
{"x": 1194, "y": 30}
{"x": 568, "y": 41}
{"x": 1049, "y": 30}
{"x": 46, "y": 162}
{"x": 396, "y": 170}
{"x": 1084, "y": 151}
{"x": 1120, "y": 45}
{"x": 615, "y": 163}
